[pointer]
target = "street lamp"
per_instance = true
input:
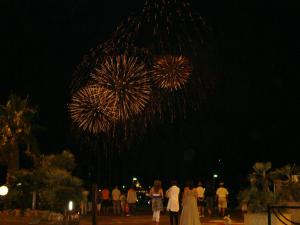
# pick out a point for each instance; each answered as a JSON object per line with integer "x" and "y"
{"x": 3, "y": 193}
{"x": 3, "y": 190}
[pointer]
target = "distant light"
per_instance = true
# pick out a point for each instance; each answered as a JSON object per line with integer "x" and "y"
{"x": 70, "y": 205}
{"x": 19, "y": 184}
{"x": 134, "y": 179}
{"x": 3, "y": 190}
{"x": 123, "y": 186}
{"x": 215, "y": 175}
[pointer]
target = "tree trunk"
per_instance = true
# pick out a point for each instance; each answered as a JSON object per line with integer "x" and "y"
{"x": 13, "y": 163}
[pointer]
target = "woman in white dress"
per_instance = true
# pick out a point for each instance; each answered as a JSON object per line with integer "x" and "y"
{"x": 189, "y": 214}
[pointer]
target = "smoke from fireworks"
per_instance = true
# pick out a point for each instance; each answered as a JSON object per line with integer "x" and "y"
{"x": 127, "y": 83}
{"x": 171, "y": 72}
{"x": 91, "y": 110}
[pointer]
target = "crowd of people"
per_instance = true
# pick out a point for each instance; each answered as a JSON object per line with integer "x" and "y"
{"x": 192, "y": 203}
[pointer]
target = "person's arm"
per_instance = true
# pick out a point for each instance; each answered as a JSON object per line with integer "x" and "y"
{"x": 162, "y": 193}
{"x": 151, "y": 193}
{"x": 227, "y": 193}
{"x": 167, "y": 193}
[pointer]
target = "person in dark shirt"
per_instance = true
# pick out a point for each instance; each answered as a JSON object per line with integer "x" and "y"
{"x": 209, "y": 198}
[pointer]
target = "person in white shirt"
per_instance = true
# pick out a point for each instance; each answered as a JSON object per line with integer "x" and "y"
{"x": 173, "y": 203}
{"x": 200, "y": 199}
{"x": 115, "y": 194}
{"x": 222, "y": 199}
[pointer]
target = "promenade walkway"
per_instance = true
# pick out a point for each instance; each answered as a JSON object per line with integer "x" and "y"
{"x": 237, "y": 219}
{"x": 141, "y": 219}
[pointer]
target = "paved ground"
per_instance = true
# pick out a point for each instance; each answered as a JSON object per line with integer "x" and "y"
{"x": 146, "y": 220}
{"x": 142, "y": 219}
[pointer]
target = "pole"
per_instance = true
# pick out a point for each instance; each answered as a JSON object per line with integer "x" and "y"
{"x": 269, "y": 215}
{"x": 94, "y": 204}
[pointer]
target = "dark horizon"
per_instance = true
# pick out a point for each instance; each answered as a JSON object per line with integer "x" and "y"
{"x": 251, "y": 115}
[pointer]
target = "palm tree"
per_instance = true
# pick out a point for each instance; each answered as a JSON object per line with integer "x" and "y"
{"x": 259, "y": 195}
{"x": 16, "y": 122}
{"x": 261, "y": 176}
{"x": 287, "y": 188}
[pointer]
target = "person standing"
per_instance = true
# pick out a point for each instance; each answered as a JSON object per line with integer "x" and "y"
{"x": 222, "y": 199}
{"x": 157, "y": 194}
{"x": 105, "y": 193}
{"x": 84, "y": 202}
{"x": 131, "y": 200}
{"x": 200, "y": 199}
{"x": 189, "y": 214}
{"x": 123, "y": 203}
{"x": 209, "y": 197}
{"x": 173, "y": 203}
{"x": 115, "y": 194}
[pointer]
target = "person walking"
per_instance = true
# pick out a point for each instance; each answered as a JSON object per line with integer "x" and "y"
{"x": 189, "y": 214}
{"x": 157, "y": 194}
{"x": 115, "y": 194}
{"x": 173, "y": 202}
{"x": 222, "y": 199}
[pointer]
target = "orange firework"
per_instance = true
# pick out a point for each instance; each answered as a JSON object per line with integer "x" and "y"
{"x": 171, "y": 72}
{"x": 91, "y": 110}
{"x": 127, "y": 83}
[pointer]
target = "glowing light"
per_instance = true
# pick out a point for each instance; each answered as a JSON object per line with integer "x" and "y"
{"x": 91, "y": 110}
{"x": 3, "y": 190}
{"x": 171, "y": 72}
{"x": 71, "y": 205}
{"x": 127, "y": 83}
{"x": 215, "y": 175}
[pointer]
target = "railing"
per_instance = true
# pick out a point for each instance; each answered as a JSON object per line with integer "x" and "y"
{"x": 276, "y": 211}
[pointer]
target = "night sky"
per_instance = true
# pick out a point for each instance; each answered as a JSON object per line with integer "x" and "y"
{"x": 251, "y": 115}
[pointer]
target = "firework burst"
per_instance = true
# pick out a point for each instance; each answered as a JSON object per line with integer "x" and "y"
{"x": 127, "y": 83}
{"x": 171, "y": 72}
{"x": 91, "y": 110}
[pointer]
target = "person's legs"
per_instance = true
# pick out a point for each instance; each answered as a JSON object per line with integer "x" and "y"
{"x": 123, "y": 208}
{"x": 171, "y": 217}
{"x": 118, "y": 207}
{"x": 98, "y": 209}
{"x": 115, "y": 207}
{"x": 176, "y": 218}
{"x": 156, "y": 216}
{"x": 131, "y": 208}
{"x": 202, "y": 210}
